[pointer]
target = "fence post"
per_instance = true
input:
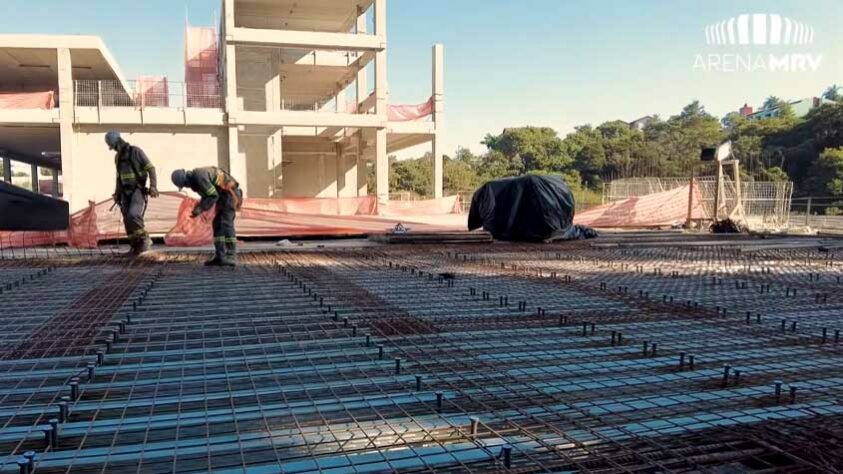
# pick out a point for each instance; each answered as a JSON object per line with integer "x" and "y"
{"x": 690, "y": 203}
{"x": 808, "y": 213}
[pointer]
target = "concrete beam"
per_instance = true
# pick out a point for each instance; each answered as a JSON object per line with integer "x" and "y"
{"x": 308, "y": 119}
{"x": 307, "y": 39}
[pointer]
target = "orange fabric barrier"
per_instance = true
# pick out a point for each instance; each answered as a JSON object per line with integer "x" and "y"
{"x": 152, "y": 91}
{"x": 360, "y": 206}
{"x": 28, "y": 100}
{"x": 170, "y": 215}
{"x": 406, "y": 113}
{"x": 663, "y": 209}
{"x": 201, "y": 67}
{"x": 430, "y": 207}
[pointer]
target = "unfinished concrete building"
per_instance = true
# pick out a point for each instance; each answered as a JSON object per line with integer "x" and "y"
{"x": 292, "y": 97}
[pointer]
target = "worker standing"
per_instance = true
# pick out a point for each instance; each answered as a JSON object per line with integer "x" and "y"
{"x": 216, "y": 187}
{"x": 131, "y": 193}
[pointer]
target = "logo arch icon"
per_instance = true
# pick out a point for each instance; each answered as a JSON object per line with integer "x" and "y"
{"x": 759, "y": 29}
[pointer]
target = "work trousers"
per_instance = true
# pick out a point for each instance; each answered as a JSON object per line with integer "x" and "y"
{"x": 225, "y": 238}
{"x": 133, "y": 208}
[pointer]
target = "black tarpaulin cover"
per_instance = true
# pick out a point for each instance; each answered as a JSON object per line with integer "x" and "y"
{"x": 526, "y": 209}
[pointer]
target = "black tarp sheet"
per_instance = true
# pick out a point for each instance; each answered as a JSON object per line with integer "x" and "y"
{"x": 527, "y": 209}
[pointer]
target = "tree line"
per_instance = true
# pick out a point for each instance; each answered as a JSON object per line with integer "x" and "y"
{"x": 806, "y": 150}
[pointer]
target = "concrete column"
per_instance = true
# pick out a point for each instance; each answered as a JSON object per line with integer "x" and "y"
{"x": 66, "y": 101}
{"x": 231, "y": 103}
{"x": 351, "y": 160}
{"x": 339, "y": 170}
{"x": 342, "y": 103}
{"x": 228, "y": 12}
{"x": 362, "y": 76}
{"x": 272, "y": 88}
{"x": 438, "y": 118}
{"x": 275, "y": 159}
{"x": 381, "y": 165}
{"x": 362, "y": 169}
{"x": 237, "y": 160}
{"x": 381, "y": 104}
{"x": 381, "y": 84}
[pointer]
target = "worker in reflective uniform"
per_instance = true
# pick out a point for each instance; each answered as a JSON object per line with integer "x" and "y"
{"x": 216, "y": 187}
{"x": 131, "y": 193}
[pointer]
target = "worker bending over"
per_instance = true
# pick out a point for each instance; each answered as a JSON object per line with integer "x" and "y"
{"x": 215, "y": 186}
{"x": 131, "y": 193}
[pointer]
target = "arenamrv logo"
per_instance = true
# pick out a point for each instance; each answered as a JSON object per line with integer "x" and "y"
{"x": 759, "y": 42}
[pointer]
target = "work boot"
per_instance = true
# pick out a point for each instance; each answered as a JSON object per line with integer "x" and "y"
{"x": 144, "y": 245}
{"x": 214, "y": 261}
{"x": 229, "y": 258}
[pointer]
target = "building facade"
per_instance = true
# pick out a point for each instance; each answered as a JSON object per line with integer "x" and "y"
{"x": 292, "y": 97}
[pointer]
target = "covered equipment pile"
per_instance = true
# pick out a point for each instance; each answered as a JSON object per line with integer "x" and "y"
{"x": 527, "y": 209}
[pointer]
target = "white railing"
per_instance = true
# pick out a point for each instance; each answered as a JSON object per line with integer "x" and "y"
{"x": 141, "y": 94}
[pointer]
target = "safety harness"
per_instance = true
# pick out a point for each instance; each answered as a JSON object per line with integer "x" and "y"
{"x": 228, "y": 184}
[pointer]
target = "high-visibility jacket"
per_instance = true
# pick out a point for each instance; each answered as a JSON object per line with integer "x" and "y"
{"x": 209, "y": 183}
{"x": 133, "y": 168}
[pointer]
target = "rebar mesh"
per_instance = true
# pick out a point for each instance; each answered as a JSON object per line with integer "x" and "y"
{"x": 638, "y": 353}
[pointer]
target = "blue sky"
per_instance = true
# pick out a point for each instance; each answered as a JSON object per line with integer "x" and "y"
{"x": 557, "y": 63}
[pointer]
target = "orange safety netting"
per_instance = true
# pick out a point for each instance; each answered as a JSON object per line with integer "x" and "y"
{"x": 664, "y": 209}
{"x": 28, "y": 100}
{"x": 152, "y": 91}
{"x": 169, "y": 215}
{"x": 201, "y": 67}
{"x": 406, "y": 113}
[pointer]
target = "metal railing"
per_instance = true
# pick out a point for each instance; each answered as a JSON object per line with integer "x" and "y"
{"x": 822, "y": 213}
{"x": 763, "y": 204}
{"x": 142, "y": 94}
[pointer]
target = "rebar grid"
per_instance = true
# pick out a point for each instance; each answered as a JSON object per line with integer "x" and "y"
{"x": 652, "y": 352}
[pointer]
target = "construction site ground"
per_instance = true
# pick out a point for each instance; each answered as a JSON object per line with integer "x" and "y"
{"x": 635, "y": 352}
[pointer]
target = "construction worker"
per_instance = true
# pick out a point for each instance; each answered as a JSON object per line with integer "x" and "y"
{"x": 216, "y": 187}
{"x": 131, "y": 193}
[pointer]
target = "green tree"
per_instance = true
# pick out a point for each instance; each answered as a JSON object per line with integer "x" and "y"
{"x": 530, "y": 149}
{"x": 774, "y": 174}
{"x": 586, "y": 147}
{"x": 826, "y": 174}
{"x": 413, "y": 175}
{"x": 461, "y": 172}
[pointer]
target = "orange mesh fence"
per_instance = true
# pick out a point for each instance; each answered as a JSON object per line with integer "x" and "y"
{"x": 359, "y": 206}
{"x": 430, "y": 207}
{"x": 406, "y": 113}
{"x": 169, "y": 215}
{"x": 28, "y": 100}
{"x": 662, "y": 209}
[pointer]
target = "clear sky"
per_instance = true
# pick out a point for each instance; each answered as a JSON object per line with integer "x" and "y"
{"x": 557, "y": 63}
